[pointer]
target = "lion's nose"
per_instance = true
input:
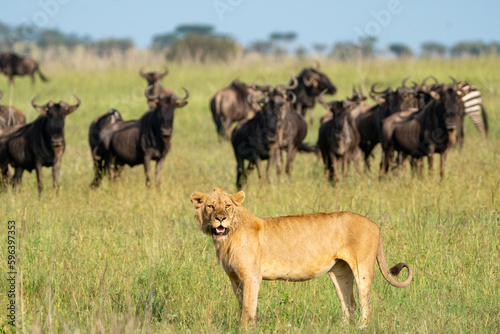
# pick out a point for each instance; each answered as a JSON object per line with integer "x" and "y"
{"x": 220, "y": 218}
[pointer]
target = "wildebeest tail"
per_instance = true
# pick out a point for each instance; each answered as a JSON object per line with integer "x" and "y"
{"x": 216, "y": 114}
{"x": 309, "y": 148}
{"x": 43, "y": 77}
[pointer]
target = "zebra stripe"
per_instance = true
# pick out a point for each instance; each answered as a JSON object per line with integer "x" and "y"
{"x": 473, "y": 104}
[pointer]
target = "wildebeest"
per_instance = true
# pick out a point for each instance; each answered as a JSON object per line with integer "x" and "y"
{"x": 149, "y": 138}
{"x": 13, "y": 64}
{"x": 337, "y": 138}
{"x": 233, "y": 104}
{"x": 154, "y": 87}
{"x": 37, "y": 144}
{"x": 99, "y": 136}
{"x": 311, "y": 82}
{"x": 10, "y": 116}
{"x": 430, "y": 130}
{"x": 257, "y": 139}
{"x": 368, "y": 122}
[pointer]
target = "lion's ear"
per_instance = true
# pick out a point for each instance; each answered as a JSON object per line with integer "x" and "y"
{"x": 198, "y": 199}
{"x": 239, "y": 197}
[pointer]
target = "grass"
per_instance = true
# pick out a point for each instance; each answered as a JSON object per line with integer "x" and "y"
{"x": 124, "y": 258}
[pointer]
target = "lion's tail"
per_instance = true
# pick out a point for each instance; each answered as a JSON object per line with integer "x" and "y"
{"x": 394, "y": 271}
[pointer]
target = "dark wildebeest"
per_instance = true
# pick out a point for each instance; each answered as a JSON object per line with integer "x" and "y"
{"x": 149, "y": 138}
{"x": 368, "y": 122}
{"x": 154, "y": 87}
{"x": 430, "y": 130}
{"x": 99, "y": 136}
{"x": 10, "y": 116}
{"x": 258, "y": 138}
{"x": 357, "y": 98}
{"x": 337, "y": 138}
{"x": 37, "y": 144}
{"x": 311, "y": 82}
{"x": 12, "y": 64}
{"x": 234, "y": 104}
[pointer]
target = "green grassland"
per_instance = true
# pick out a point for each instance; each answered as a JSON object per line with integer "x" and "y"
{"x": 124, "y": 258}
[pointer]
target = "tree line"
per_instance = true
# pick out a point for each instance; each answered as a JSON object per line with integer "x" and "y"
{"x": 201, "y": 43}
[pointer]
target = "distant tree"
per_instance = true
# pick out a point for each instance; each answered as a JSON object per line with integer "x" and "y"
{"x": 319, "y": 48}
{"x": 203, "y": 48}
{"x": 301, "y": 52}
{"x": 163, "y": 41}
{"x": 433, "y": 49}
{"x": 367, "y": 46}
{"x": 474, "y": 48}
{"x": 401, "y": 50}
{"x": 345, "y": 51}
{"x": 264, "y": 47}
{"x": 199, "y": 29}
{"x": 50, "y": 38}
{"x": 282, "y": 40}
{"x": 105, "y": 47}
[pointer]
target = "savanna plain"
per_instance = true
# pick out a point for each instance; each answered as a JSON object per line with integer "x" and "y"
{"x": 126, "y": 258}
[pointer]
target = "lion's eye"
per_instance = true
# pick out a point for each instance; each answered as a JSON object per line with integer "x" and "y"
{"x": 228, "y": 206}
{"x": 211, "y": 207}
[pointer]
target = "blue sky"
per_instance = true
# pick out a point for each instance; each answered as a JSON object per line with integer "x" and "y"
{"x": 408, "y": 21}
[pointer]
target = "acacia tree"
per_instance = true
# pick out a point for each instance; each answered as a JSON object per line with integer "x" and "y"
{"x": 401, "y": 50}
{"x": 433, "y": 49}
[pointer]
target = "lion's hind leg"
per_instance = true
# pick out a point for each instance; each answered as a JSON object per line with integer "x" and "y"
{"x": 343, "y": 280}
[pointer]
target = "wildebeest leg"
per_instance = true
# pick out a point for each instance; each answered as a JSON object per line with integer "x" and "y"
{"x": 292, "y": 151}
{"x": 98, "y": 171}
{"x": 430, "y": 161}
{"x": 443, "y": 159}
{"x": 159, "y": 166}
{"x": 58, "y": 151}
{"x": 335, "y": 164}
{"x": 240, "y": 171}
{"x": 38, "y": 168}
{"x": 345, "y": 165}
{"x": 16, "y": 180}
{"x": 147, "y": 168}
{"x": 4, "y": 177}
{"x": 227, "y": 128}
{"x": 258, "y": 165}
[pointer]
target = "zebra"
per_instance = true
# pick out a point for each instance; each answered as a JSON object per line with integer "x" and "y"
{"x": 474, "y": 107}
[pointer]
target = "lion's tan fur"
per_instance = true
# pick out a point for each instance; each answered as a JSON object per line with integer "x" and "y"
{"x": 294, "y": 248}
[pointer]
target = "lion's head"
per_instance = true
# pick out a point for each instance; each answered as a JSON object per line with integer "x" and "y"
{"x": 216, "y": 212}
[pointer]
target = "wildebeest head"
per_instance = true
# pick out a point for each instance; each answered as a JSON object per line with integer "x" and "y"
{"x": 451, "y": 96}
{"x": 152, "y": 77}
{"x": 316, "y": 81}
{"x": 165, "y": 106}
{"x": 392, "y": 100}
{"x": 55, "y": 114}
{"x": 340, "y": 134}
{"x": 274, "y": 106}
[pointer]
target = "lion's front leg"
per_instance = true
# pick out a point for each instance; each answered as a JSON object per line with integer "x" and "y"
{"x": 251, "y": 288}
{"x": 237, "y": 285}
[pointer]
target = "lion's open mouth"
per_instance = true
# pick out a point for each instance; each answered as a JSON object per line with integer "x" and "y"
{"x": 219, "y": 230}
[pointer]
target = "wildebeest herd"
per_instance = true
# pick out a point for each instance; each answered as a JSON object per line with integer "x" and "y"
{"x": 410, "y": 123}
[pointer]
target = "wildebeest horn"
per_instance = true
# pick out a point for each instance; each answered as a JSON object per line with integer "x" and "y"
{"x": 294, "y": 97}
{"x": 373, "y": 91}
{"x": 294, "y": 85}
{"x": 430, "y": 77}
{"x": 78, "y": 101}
{"x": 322, "y": 102}
{"x": 149, "y": 90}
{"x": 35, "y": 105}
{"x": 141, "y": 73}
{"x": 165, "y": 72}
{"x": 455, "y": 83}
{"x": 403, "y": 84}
{"x": 307, "y": 81}
{"x": 183, "y": 98}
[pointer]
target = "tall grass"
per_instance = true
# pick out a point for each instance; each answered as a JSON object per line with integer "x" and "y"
{"x": 124, "y": 258}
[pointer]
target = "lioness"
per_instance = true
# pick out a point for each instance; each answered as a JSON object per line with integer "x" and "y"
{"x": 293, "y": 248}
